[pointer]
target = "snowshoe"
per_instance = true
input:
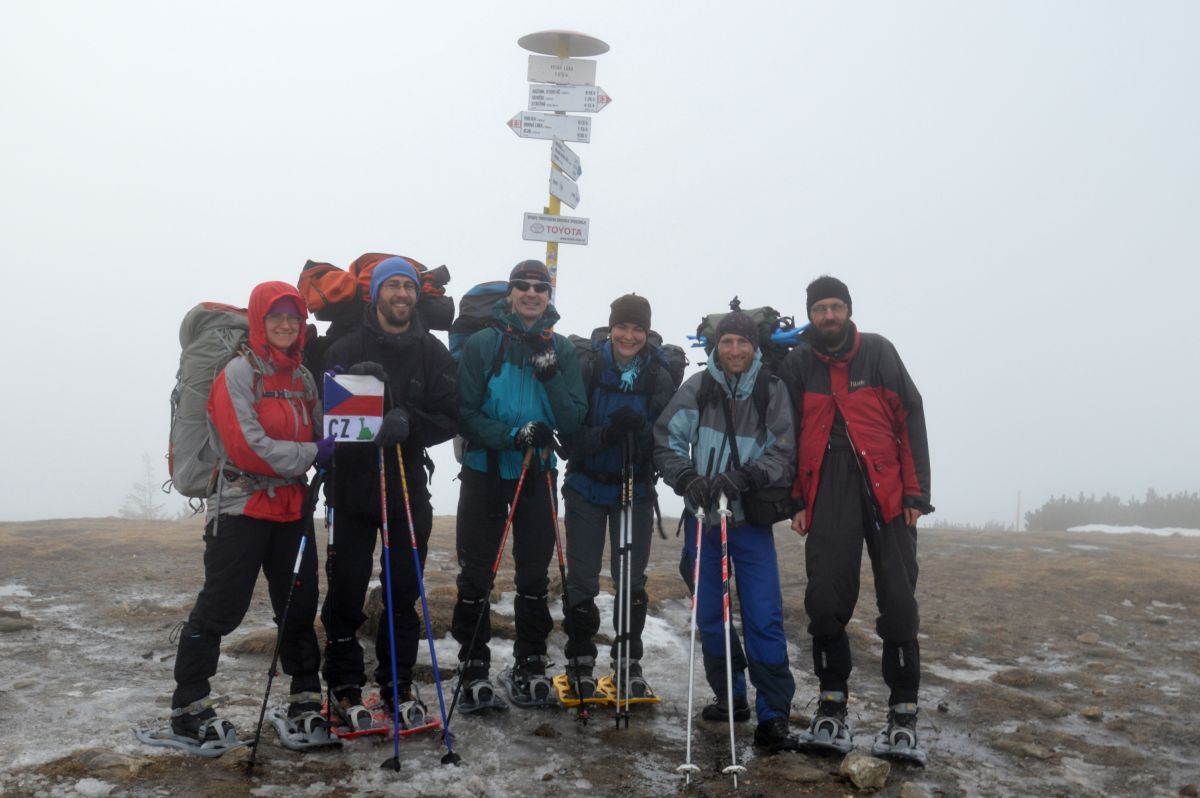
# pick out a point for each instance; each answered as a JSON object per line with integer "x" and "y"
{"x": 302, "y": 727}
{"x": 477, "y": 693}
{"x": 639, "y": 690}
{"x": 527, "y": 684}
{"x": 565, "y": 685}
{"x": 717, "y": 711}
{"x": 195, "y": 729}
{"x": 829, "y": 730}
{"x": 350, "y": 718}
{"x": 899, "y": 740}
{"x": 414, "y": 715}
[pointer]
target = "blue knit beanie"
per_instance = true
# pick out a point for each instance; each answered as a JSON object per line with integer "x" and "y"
{"x": 390, "y": 268}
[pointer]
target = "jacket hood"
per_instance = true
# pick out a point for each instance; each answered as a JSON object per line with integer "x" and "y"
{"x": 261, "y": 298}
{"x": 504, "y": 314}
{"x": 745, "y": 381}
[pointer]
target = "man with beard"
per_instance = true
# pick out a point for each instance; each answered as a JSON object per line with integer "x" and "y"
{"x": 862, "y": 476}
{"x": 421, "y": 410}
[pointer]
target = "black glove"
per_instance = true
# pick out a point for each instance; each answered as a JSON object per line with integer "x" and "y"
{"x": 395, "y": 427}
{"x": 369, "y": 367}
{"x": 694, "y": 489}
{"x": 625, "y": 421}
{"x": 732, "y": 483}
{"x": 544, "y": 362}
{"x": 534, "y": 435}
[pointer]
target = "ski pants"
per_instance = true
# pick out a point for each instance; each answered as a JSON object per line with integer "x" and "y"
{"x": 483, "y": 503}
{"x": 752, "y": 558}
{"x": 348, "y": 566}
{"x": 842, "y": 520}
{"x": 586, "y": 525}
{"x": 232, "y": 560}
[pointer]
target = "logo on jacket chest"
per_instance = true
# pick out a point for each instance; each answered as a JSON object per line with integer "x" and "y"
{"x": 856, "y": 384}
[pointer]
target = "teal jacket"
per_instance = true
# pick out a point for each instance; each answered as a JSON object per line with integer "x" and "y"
{"x": 493, "y": 405}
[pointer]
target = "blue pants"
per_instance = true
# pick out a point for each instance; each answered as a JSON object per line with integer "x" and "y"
{"x": 752, "y": 553}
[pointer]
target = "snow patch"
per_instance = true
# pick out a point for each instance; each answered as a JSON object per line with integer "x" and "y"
{"x": 979, "y": 670}
{"x": 1162, "y": 605}
{"x": 1109, "y": 529}
{"x": 1086, "y": 547}
{"x": 14, "y": 590}
{"x": 93, "y": 788}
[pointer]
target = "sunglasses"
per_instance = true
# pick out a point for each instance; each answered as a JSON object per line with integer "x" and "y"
{"x": 523, "y": 285}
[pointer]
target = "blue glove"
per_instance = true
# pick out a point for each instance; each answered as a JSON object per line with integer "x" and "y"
{"x": 336, "y": 370}
{"x": 325, "y": 452}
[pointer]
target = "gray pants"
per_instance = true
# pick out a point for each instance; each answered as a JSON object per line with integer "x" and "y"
{"x": 586, "y": 523}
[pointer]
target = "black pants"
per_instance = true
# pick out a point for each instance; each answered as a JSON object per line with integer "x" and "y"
{"x": 841, "y": 522}
{"x": 482, "y": 509}
{"x": 232, "y": 561}
{"x": 348, "y": 564}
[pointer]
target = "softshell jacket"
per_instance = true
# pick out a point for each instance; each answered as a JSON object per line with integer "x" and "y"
{"x": 262, "y": 411}
{"x": 885, "y": 420}
{"x": 422, "y": 377}
{"x": 689, "y": 437}
{"x": 594, "y": 469}
{"x": 496, "y": 399}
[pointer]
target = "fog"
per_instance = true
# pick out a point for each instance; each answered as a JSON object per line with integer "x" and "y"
{"x": 1010, "y": 190}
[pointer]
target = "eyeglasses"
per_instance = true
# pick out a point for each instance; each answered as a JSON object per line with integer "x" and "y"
{"x": 836, "y": 308}
{"x": 279, "y": 319}
{"x": 399, "y": 284}
{"x": 522, "y": 285}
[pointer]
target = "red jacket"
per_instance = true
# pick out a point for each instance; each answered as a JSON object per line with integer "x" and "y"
{"x": 262, "y": 411}
{"x": 884, "y": 417}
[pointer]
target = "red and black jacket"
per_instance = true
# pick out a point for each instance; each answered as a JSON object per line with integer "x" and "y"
{"x": 885, "y": 419}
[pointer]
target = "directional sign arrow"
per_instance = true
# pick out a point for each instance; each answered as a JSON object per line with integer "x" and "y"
{"x": 565, "y": 159}
{"x": 529, "y": 125}
{"x": 564, "y": 188}
{"x": 590, "y": 99}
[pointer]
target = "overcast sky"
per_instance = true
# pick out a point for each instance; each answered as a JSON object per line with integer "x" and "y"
{"x": 1011, "y": 191}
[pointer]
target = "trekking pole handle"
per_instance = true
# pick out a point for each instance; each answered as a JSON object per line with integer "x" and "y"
{"x": 723, "y": 504}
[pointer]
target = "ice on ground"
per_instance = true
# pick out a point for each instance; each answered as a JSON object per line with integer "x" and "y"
{"x": 1085, "y": 547}
{"x": 1162, "y": 605}
{"x": 978, "y": 670}
{"x": 1109, "y": 529}
{"x": 14, "y": 590}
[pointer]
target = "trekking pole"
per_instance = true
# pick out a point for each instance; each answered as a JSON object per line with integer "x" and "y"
{"x": 394, "y": 762}
{"x": 619, "y": 606}
{"x": 627, "y": 567}
{"x": 450, "y": 757}
{"x": 512, "y": 510}
{"x": 275, "y": 657}
{"x": 330, "y": 553}
{"x": 687, "y": 768}
{"x": 723, "y": 510}
{"x": 583, "y": 715}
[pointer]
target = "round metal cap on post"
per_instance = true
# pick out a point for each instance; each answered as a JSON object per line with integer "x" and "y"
{"x": 560, "y": 83}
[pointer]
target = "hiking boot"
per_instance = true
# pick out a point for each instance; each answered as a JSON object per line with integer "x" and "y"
{"x": 528, "y": 683}
{"x": 902, "y": 725}
{"x": 580, "y": 678}
{"x": 403, "y": 690}
{"x": 304, "y": 712}
{"x": 198, "y": 721}
{"x": 348, "y": 709}
{"x": 774, "y": 735}
{"x": 829, "y": 729}
{"x": 718, "y": 711}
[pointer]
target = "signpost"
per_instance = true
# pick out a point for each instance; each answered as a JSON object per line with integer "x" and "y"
{"x": 561, "y": 80}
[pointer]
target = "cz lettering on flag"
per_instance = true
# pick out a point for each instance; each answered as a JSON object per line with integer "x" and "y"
{"x": 353, "y": 407}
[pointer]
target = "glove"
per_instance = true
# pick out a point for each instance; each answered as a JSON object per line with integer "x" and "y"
{"x": 625, "y": 421}
{"x": 336, "y": 370}
{"x": 395, "y": 427}
{"x": 534, "y": 435}
{"x": 324, "y": 457}
{"x": 369, "y": 367}
{"x": 697, "y": 491}
{"x": 732, "y": 483}
{"x": 545, "y": 363}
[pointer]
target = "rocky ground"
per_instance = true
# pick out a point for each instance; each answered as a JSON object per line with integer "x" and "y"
{"x": 1055, "y": 664}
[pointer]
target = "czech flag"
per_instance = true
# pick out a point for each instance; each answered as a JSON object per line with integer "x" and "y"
{"x": 353, "y": 407}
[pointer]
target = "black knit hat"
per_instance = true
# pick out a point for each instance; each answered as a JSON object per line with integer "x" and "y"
{"x": 630, "y": 309}
{"x": 826, "y": 287}
{"x": 737, "y": 323}
{"x": 533, "y": 270}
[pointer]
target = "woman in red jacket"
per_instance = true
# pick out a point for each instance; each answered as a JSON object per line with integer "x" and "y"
{"x": 262, "y": 414}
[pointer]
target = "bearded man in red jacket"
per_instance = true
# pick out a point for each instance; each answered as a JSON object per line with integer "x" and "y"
{"x": 862, "y": 477}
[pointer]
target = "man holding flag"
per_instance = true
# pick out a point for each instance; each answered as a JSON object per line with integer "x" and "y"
{"x": 420, "y": 410}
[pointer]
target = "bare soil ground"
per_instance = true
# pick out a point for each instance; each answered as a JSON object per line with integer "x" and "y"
{"x": 1054, "y": 664}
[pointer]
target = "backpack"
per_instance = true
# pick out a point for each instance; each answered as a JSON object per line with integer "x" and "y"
{"x": 210, "y": 336}
{"x": 777, "y": 334}
{"x": 339, "y": 296}
{"x": 475, "y": 313}
{"x": 668, "y": 356}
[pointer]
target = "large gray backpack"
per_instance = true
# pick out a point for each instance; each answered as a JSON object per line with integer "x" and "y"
{"x": 211, "y": 335}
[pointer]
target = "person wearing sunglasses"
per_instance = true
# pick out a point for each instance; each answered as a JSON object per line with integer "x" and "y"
{"x": 862, "y": 477}
{"x": 518, "y": 382}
